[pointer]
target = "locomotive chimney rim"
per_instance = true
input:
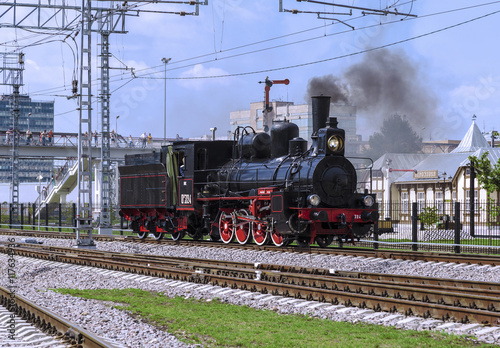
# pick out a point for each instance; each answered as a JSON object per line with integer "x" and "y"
{"x": 332, "y": 122}
{"x": 320, "y": 111}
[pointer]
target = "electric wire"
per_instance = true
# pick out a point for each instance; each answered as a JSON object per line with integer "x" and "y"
{"x": 145, "y": 75}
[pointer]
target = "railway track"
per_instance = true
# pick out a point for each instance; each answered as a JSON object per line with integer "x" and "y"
{"x": 444, "y": 299}
{"x": 346, "y": 251}
{"x": 24, "y": 315}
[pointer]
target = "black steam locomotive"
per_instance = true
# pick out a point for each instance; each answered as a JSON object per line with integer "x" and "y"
{"x": 260, "y": 187}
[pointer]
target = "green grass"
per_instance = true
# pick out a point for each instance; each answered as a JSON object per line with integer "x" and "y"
{"x": 217, "y": 324}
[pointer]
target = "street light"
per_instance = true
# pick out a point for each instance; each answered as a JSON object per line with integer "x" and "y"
{"x": 444, "y": 188}
{"x": 29, "y": 120}
{"x": 116, "y": 124}
{"x": 165, "y": 61}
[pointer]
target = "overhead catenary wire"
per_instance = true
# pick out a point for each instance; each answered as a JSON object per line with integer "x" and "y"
{"x": 218, "y": 58}
{"x": 341, "y": 56}
{"x": 332, "y": 58}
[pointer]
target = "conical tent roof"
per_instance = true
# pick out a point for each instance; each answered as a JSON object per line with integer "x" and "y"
{"x": 472, "y": 141}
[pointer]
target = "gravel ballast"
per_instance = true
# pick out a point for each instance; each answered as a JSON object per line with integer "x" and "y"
{"x": 36, "y": 277}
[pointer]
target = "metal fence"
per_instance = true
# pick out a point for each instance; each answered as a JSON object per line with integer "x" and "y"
{"x": 31, "y": 216}
{"x": 447, "y": 227}
{"x": 417, "y": 226}
{"x": 34, "y": 217}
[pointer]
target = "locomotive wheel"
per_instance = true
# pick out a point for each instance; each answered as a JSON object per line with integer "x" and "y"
{"x": 158, "y": 235}
{"x": 177, "y": 236}
{"x": 260, "y": 235}
{"x": 226, "y": 228}
{"x": 297, "y": 225}
{"x": 324, "y": 241}
{"x": 279, "y": 239}
{"x": 142, "y": 235}
{"x": 242, "y": 232}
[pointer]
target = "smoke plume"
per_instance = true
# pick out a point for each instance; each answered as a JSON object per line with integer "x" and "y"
{"x": 382, "y": 84}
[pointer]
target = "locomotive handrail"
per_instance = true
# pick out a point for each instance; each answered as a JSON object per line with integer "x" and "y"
{"x": 370, "y": 167}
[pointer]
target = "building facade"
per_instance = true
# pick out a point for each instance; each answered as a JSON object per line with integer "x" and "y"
{"x": 37, "y": 116}
{"x": 438, "y": 179}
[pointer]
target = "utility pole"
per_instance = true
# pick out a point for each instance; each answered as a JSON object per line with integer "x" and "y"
{"x": 12, "y": 73}
{"x": 75, "y": 19}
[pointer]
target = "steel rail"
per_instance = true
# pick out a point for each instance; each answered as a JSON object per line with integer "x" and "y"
{"x": 441, "y": 302}
{"x": 49, "y": 322}
{"x": 346, "y": 251}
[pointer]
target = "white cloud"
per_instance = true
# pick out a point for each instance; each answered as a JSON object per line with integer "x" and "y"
{"x": 200, "y": 74}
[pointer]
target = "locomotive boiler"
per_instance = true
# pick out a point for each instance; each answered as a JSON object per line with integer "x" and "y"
{"x": 257, "y": 187}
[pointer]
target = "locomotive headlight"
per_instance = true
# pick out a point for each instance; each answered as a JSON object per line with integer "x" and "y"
{"x": 368, "y": 201}
{"x": 335, "y": 143}
{"x": 314, "y": 200}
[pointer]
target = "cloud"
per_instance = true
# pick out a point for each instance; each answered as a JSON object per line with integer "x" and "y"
{"x": 199, "y": 75}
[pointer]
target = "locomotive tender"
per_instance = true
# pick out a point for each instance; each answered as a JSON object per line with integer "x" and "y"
{"x": 260, "y": 187}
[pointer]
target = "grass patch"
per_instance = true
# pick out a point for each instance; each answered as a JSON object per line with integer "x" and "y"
{"x": 217, "y": 324}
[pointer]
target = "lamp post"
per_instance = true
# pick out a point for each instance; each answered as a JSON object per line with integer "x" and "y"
{"x": 29, "y": 114}
{"x": 444, "y": 188}
{"x": 116, "y": 124}
{"x": 165, "y": 61}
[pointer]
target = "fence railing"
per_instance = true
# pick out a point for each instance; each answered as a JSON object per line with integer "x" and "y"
{"x": 448, "y": 227}
{"x": 52, "y": 215}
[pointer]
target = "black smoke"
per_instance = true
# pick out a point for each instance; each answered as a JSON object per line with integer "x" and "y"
{"x": 384, "y": 83}
{"x": 329, "y": 85}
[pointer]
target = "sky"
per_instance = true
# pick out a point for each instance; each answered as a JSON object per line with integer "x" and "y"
{"x": 450, "y": 67}
{"x": 438, "y": 69}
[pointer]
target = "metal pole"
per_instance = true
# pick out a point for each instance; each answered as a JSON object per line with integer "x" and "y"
{"x": 471, "y": 200}
{"x": 10, "y": 215}
{"x": 165, "y": 61}
{"x": 414, "y": 226}
{"x": 444, "y": 192}
{"x": 165, "y": 104}
{"x": 60, "y": 217}
{"x": 39, "y": 213}
{"x": 457, "y": 227}
{"x": 22, "y": 216}
{"x": 39, "y": 177}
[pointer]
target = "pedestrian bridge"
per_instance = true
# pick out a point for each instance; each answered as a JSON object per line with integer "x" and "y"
{"x": 65, "y": 145}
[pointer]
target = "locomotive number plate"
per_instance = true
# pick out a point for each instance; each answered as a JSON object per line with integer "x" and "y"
{"x": 186, "y": 192}
{"x": 186, "y": 199}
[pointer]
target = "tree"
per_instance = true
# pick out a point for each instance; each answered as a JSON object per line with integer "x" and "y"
{"x": 429, "y": 216}
{"x": 396, "y": 135}
{"x": 488, "y": 177}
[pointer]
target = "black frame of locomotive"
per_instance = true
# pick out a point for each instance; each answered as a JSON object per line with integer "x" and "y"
{"x": 260, "y": 187}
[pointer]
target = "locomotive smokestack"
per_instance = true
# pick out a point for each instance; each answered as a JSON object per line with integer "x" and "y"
{"x": 320, "y": 112}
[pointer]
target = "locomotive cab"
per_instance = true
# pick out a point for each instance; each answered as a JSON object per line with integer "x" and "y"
{"x": 200, "y": 160}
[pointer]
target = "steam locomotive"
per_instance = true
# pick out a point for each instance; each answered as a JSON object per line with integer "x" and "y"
{"x": 260, "y": 187}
